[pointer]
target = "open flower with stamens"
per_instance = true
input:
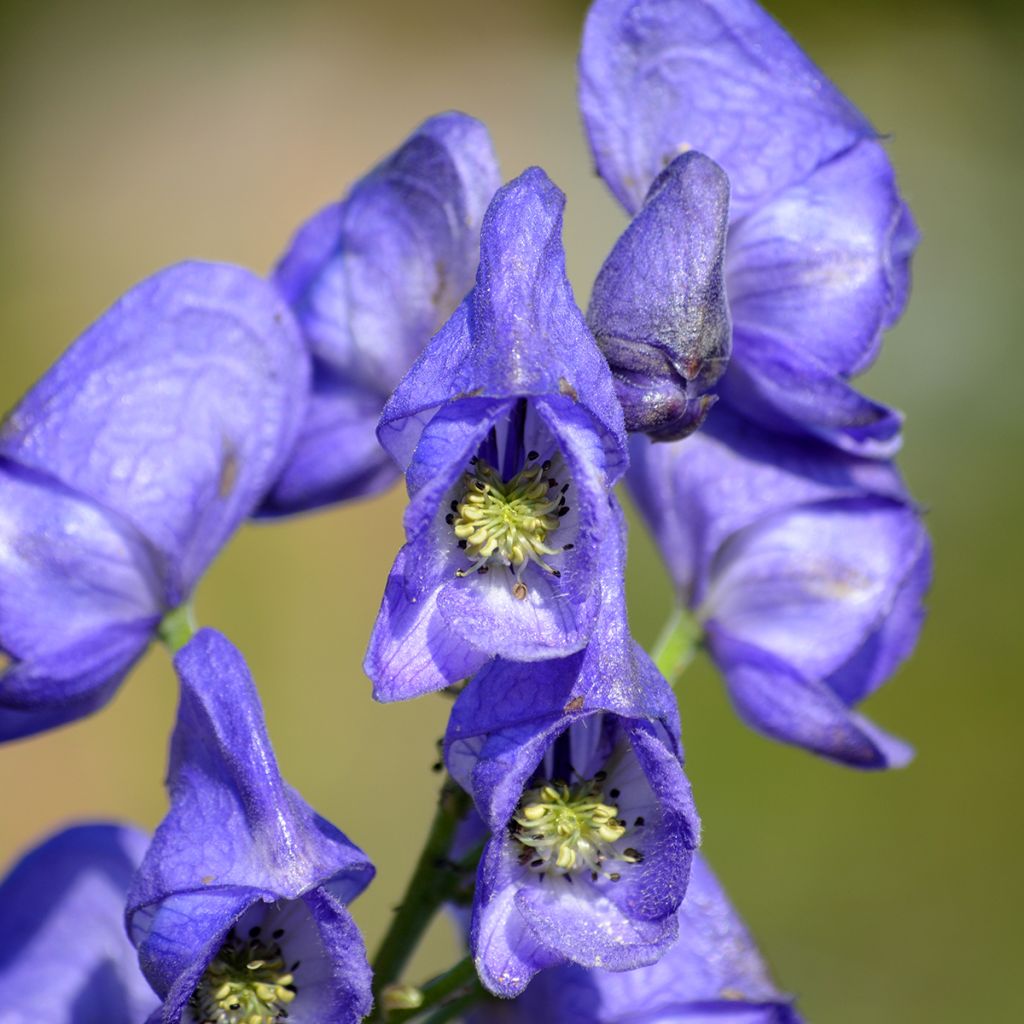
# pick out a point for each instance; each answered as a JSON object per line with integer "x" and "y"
{"x": 804, "y": 567}
{"x": 816, "y": 263}
{"x": 576, "y": 768}
{"x": 65, "y": 958}
{"x": 511, "y": 436}
{"x": 714, "y": 972}
{"x": 238, "y": 910}
{"x": 126, "y": 469}
{"x": 370, "y": 279}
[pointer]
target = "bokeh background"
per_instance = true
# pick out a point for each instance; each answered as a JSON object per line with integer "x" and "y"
{"x": 135, "y": 135}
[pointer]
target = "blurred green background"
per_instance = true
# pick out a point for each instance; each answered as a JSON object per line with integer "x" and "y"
{"x": 136, "y": 135}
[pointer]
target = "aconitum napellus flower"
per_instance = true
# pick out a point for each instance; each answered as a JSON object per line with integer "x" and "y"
{"x": 65, "y": 958}
{"x": 370, "y": 279}
{"x": 124, "y": 471}
{"x": 713, "y": 974}
{"x": 576, "y": 768}
{"x": 819, "y": 242}
{"x": 242, "y": 872}
{"x": 511, "y": 436}
{"x": 804, "y": 567}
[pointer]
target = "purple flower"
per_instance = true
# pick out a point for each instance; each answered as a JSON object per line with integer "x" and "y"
{"x": 370, "y": 279}
{"x": 806, "y": 569}
{"x": 124, "y": 471}
{"x": 242, "y": 871}
{"x": 576, "y": 768}
{"x": 65, "y": 958}
{"x": 712, "y": 975}
{"x": 511, "y": 436}
{"x": 817, "y": 261}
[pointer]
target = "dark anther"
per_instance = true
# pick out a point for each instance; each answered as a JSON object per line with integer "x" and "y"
{"x": 462, "y": 544}
{"x": 552, "y": 482}
{"x": 253, "y": 932}
{"x": 450, "y": 518}
{"x": 545, "y": 465}
{"x": 593, "y": 876}
{"x": 291, "y": 988}
{"x": 615, "y": 876}
{"x": 537, "y": 863}
{"x": 532, "y": 456}
{"x": 601, "y": 776}
{"x": 278, "y": 933}
{"x": 483, "y": 570}
{"x": 565, "y": 487}
{"x": 638, "y": 857}
{"x": 614, "y": 794}
{"x": 480, "y": 486}
{"x": 295, "y": 966}
{"x": 563, "y": 511}
{"x": 473, "y": 461}
{"x": 538, "y": 835}
{"x": 235, "y": 1006}
{"x": 639, "y": 823}
{"x": 568, "y": 547}
{"x": 455, "y": 506}
{"x": 555, "y": 572}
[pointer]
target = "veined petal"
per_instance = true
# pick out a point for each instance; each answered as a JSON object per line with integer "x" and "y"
{"x": 234, "y": 823}
{"x": 373, "y": 277}
{"x": 659, "y": 77}
{"x": 823, "y": 264}
{"x": 176, "y": 409}
{"x": 658, "y": 308}
{"x": 518, "y": 335}
{"x": 65, "y": 958}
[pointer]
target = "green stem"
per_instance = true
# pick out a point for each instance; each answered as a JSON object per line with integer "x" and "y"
{"x": 178, "y": 627}
{"x": 677, "y": 644}
{"x": 435, "y": 991}
{"x": 434, "y": 880}
{"x": 457, "y": 1007}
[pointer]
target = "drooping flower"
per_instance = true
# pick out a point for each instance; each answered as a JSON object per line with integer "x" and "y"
{"x": 819, "y": 245}
{"x": 370, "y": 279}
{"x": 805, "y": 568}
{"x": 576, "y": 768}
{"x": 124, "y": 471}
{"x": 511, "y": 436}
{"x": 65, "y": 958}
{"x": 238, "y": 910}
{"x": 713, "y": 974}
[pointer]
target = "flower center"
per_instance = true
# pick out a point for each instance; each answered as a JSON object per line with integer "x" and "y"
{"x": 246, "y": 983}
{"x": 570, "y": 828}
{"x": 508, "y": 522}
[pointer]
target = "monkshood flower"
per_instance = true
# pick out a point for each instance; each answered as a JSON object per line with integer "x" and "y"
{"x": 238, "y": 910}
{"x": 370, "y": 279}
{"x": 806, "y": 569}
{"x": 713, "y": 974}
{"x": 65, "y": 958}
{"x": 819, "y": 244}
{"x": 124, "y": 471}
{"x": 511, "y": 436}
{"x": 576, "y": 768}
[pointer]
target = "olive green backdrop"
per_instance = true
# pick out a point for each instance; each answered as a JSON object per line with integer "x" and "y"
{"x": 137, "y": 135}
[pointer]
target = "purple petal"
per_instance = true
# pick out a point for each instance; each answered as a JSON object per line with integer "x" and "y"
{"x": 658, "y": 77}
{"x": 812, "y": 585}
{"x": 373, "y": 277}
{"x": 821, "y": 264}
{"x": 658, "y": 308}
{"x": 337, "y": 457}
{"x": 176, "y": 409}
{"x": 65, "y": 958}
{"x": 412, "y": 650}
{"x": 773, "y": 698}
{"x": 234, "y": 824}
{"x": 789, "y": 390}
{"x": 519, "y": 333}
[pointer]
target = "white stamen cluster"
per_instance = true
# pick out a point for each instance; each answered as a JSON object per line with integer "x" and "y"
{"x": 246, "y": 983}
{"x": 508, "y": 522}
{"x": 570, "y": 828}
